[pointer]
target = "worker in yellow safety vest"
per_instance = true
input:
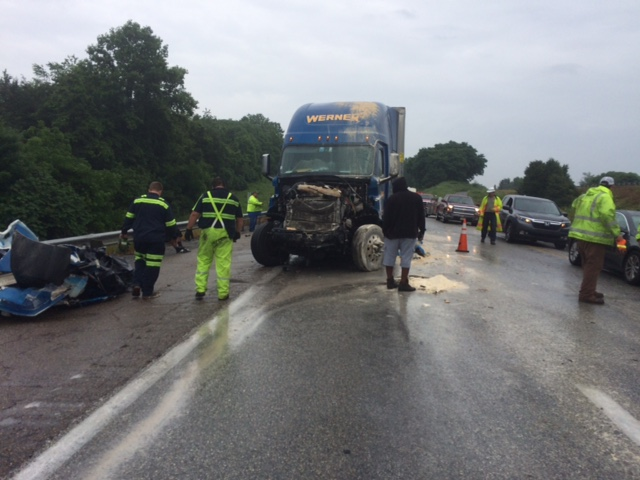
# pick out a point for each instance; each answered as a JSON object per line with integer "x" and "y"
{"x": 219, "y": 216}
{"x": 254, "y": 207}
{"x": 489, "y": 221}
{"x": 594, "y": 228}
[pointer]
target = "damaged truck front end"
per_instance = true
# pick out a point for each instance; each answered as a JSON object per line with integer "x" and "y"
{"x": 329, "y": 189}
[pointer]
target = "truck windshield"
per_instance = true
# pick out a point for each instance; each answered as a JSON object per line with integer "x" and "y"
{"x": 345, "y": 160}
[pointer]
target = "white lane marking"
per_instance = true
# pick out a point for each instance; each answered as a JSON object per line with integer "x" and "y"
{"x": 618, "y": 415}
{"x": 47, "y": 463}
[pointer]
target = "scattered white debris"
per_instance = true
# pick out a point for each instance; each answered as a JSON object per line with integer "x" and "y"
{"x": 437, "y": 284}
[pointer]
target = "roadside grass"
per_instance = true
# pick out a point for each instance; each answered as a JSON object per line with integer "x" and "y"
{"x": 474, "y": 190}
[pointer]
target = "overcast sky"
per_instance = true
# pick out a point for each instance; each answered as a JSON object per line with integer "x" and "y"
{"x": 519, "y": 80}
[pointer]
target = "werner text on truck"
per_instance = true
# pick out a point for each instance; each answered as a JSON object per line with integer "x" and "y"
{"x": 331, "y": 183}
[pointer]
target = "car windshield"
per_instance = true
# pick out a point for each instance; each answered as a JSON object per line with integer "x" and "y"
{"x": 461, "y": 199}
{"x": 333, "y": 160}
{"x": 533, "y": 205}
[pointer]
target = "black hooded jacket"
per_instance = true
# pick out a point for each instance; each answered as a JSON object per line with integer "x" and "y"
{"x": 403, "y": 215}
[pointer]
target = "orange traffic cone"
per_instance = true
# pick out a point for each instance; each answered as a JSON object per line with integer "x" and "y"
{"x": 462, "y": 243}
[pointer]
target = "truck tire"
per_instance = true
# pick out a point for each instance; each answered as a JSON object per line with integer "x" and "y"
{"x": 263, "y": 249}
{"x": 366, "y": 248}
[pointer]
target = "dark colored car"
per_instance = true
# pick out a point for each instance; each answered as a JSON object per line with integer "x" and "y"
{"x": 457, "y": 206}
{"x": 534, "y": 219}
{"x": 628, "y": 263}
{"x": 429, "y": 202}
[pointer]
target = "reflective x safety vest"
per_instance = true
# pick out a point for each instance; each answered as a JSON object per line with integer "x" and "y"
{"x": 218, "y": 221}
{"x": 218, "y": 212}
{"x": 595, "y": 217}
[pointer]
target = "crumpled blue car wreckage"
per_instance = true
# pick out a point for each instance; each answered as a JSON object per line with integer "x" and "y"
{"x": 35, "y": 276}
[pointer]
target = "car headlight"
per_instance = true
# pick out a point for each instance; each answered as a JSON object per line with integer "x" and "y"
{"x": 524, "y": 219}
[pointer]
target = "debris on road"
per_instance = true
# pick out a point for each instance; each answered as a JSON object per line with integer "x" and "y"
{"x": 437, "y": 284}
{"x": 36, "y": 276}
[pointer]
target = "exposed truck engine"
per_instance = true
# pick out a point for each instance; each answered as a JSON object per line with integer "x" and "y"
{"x": 331, "y": 184}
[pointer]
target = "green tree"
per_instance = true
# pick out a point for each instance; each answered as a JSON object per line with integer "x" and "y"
{"x": 621, "y": 178}
{"x": 450, "y": 161}
{"x": 41, "y": 191}
{"x": 549, "y": 180}
{"x": 86, "y": 136}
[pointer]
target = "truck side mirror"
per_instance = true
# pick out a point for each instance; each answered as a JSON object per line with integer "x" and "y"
{"x": 394, "y": 165}
{"x": 266, "y": 166}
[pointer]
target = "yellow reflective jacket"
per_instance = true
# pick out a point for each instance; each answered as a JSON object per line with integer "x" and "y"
{"x": 497, "y": 208}
{"x": 254, "y": 205}
{"x": 595, "y": 217}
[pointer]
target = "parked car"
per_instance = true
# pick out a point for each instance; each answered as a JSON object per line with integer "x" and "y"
{"x": 429, "y": 201}
{"x": 534, "y": 219}
{"x": 457, "y": 206}
{"x": 627, "y": 264}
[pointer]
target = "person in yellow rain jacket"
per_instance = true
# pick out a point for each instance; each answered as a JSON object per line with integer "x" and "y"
{"x": 489, "y": 221}
{"x": 594, "y": 228}
{"x": 254, "y": 207}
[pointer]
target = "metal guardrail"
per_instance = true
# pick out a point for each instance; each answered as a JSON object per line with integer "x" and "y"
{"x": 107, "y": 238}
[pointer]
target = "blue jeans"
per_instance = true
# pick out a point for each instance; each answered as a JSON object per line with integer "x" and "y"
{"x": 253, "y": 220}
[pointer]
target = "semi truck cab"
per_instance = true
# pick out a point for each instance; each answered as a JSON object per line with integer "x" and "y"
{"x": 331, "y": 183}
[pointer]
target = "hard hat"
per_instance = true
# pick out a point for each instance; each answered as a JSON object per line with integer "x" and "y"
{"x": 607, "y": 181}
{"x": 491, "y": 190}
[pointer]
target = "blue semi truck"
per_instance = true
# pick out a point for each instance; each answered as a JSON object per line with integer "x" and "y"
{"x": 331, "y": 184}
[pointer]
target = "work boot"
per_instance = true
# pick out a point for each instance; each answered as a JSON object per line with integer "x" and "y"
{"x": 482, "y": 240}
{"x": 391, "y": 284}
{"x": 594, "y": 300}
{"x": 405, "y": 287}
{"x": 200, "y": 295}
{"x": 599, "y": 295}
{"x": 135, "y": 291}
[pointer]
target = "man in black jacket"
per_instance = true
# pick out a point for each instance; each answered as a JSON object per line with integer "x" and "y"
{"x": 152, "y": 221}
{"x": 402, "y": 222}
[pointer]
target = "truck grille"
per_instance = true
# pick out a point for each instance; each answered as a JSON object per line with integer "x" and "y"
{"x": 313, "y": 214}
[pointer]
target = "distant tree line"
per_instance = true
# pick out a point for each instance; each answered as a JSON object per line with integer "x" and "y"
{"x": 85, "y": 136}
{"x": 621, "y": 178}
{"x": 460, "y": 162}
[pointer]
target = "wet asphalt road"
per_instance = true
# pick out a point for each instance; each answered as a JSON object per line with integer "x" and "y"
{"x": 492, "y": 369}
